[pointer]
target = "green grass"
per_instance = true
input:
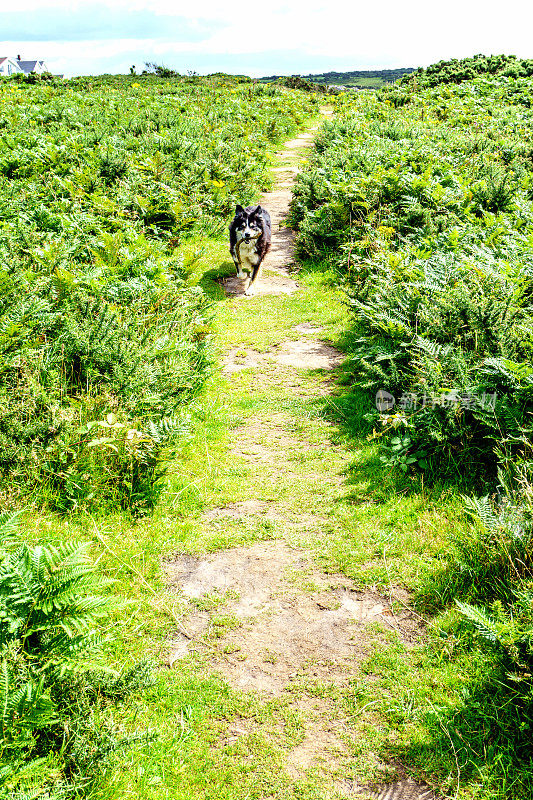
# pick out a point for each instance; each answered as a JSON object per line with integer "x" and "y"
{"x": 408, "y": 705}
{"x": 366, "y": 83}
{"x": 359, "y": 516}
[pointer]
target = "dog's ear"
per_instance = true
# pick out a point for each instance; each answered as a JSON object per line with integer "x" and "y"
{"x": 256, "y": 212}
{"x": 239, "y": 210}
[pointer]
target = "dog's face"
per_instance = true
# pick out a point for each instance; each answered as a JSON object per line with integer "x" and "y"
{"x": 248, "y": 224}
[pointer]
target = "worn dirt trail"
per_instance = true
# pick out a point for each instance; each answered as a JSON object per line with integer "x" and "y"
{"x": 294, "y": 629}
{"x": 278, "y": 271}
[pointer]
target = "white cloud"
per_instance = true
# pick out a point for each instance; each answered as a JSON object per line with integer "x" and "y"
{"x": 411, "y": 33}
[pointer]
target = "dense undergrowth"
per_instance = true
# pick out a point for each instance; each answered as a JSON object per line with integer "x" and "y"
{"x": 106, "y": 185}
{"x": 55, "y": 686}
{"x": 458, "y": 70}
{"x": 421, "y": 200}
{"x": 102, "y": 342}
{"x": 426, "y": 211}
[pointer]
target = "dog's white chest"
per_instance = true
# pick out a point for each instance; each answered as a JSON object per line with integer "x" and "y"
{"x": 248, "y": 255}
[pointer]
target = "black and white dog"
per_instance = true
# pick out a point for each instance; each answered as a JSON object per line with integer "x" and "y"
{"x": 250, "y": 234}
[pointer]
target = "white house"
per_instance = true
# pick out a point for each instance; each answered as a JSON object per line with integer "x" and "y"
{"x": 32, "y": 66}
{"x": 8, "y": 66}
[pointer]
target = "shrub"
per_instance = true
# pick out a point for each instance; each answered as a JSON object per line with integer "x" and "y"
{"x": 102, "y": 179}
{"x": 465, "y": 69}
{"x": 53, "y": 603}
{"x": 92, "y": 396}
{"x": 433, "y": 239}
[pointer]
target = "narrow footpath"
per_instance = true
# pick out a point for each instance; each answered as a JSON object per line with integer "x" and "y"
{"x": 276, "y": 581}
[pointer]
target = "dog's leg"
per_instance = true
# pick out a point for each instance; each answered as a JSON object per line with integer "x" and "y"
{"x": 257, "y": 268}
{"x": 250, "y": 289}
{"x": 240, "y": 273}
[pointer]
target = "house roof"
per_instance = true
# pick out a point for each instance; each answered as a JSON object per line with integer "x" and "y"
{"x": 28, "y": 66}
{"x": 25, "y": 66}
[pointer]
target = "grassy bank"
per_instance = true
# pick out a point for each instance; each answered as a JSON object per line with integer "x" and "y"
{"x": 420, "y": 201}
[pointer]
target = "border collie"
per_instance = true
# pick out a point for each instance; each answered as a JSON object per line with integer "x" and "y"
{"x": 249, "y": 238}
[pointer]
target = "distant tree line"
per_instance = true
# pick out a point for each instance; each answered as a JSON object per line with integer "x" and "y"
{"x": 295, "y": 82}
{"x": 387, "y": 75}
{"x": 465, "y": 69}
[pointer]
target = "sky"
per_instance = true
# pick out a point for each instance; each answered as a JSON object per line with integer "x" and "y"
{"x": 280, "y": 37}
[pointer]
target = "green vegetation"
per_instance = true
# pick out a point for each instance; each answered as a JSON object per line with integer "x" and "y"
{"x": 432, "y": 229}
{"x": 364, "y": 79}
{"x": 415, "y": 218}
{"x": 54, "y": 684}
{"x": 111, "y": 191}
{"x": 421, "y": 201}
{"x": 465, "y": 69}
{"x": 103, "y": 344}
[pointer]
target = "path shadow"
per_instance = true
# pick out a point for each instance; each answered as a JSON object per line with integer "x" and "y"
{"x": 350, "y": 410}
{"x": 233, "y": 286}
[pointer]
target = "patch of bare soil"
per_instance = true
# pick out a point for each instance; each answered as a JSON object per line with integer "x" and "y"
{"x": 269, "y": 621}
{"x": 239, "y": 358}
{"x": 307, "y": 327}
{"x": 276, "y": 284}
{"x": 286, "y": 170}
{"x": 308, "y": 354}
{"x": 283, "y": 635}
{"x": 238, "y": 510}
{"x": 301, "y": 354}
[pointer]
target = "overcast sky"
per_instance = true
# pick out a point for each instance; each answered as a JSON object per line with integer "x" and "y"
{"x": 259, "y": 38}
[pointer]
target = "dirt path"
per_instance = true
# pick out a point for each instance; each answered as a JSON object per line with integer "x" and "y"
{"x": 264, "y": 615}
{"x": 279, "y": 264}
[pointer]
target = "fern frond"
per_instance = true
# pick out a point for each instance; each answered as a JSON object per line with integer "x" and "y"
{"x": 432, "y": 349}
{"x": 481, "y": 508}
{"x": 8, "y": 526}
{"x": 489, "y": 628}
